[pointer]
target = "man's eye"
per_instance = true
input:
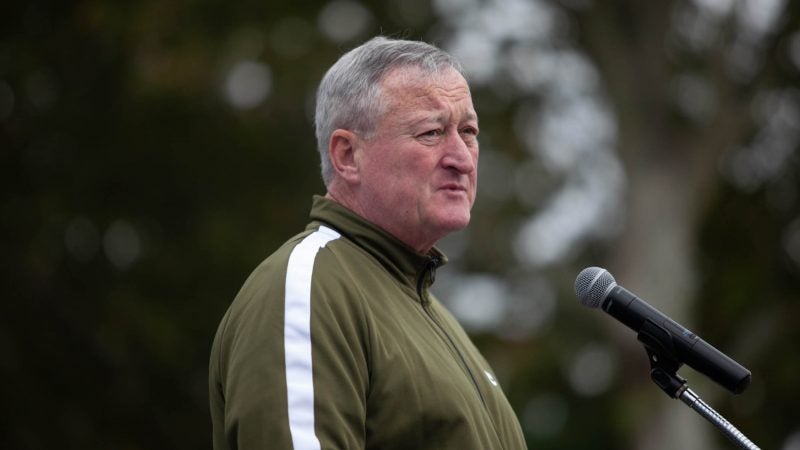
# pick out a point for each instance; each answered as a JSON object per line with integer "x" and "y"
{"x": 431, "y": 134}
{"x": 470, "y": 130}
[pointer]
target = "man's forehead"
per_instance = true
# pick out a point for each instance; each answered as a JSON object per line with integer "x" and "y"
{"x": 411, "y": 76}
{"x": 411, "y": 85}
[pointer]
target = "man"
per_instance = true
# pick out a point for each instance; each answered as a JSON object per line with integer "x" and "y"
{"x": 335, "y": 342}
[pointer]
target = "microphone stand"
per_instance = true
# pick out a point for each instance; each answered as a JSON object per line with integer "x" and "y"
{"x": 663, "y": 371}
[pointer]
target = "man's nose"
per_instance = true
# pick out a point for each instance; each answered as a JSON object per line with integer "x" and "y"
{"x": 460, "y": 155}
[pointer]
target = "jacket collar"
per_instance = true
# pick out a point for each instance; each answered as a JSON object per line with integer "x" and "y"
{"x": 412, "y": 269}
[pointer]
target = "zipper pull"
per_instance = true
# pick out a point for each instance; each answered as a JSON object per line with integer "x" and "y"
{"x": 429, "y": 271}
{"x": 431, "y": 266}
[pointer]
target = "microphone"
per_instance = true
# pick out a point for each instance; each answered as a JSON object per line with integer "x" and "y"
{"x": 595, "y": 287}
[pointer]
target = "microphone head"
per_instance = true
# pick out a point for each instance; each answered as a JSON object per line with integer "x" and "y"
{"x": 592, "y": 286}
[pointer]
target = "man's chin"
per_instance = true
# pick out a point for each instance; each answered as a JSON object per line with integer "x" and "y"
{"x": 454, "y": 222}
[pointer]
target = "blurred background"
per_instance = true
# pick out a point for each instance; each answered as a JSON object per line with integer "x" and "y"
{"x": 152, "y": 153}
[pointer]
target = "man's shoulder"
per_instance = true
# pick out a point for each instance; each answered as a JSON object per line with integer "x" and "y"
{"x": 313, "y": 243}
{"x": 321, "y": 253}
{"x": 321, "y": 248}
{"x": 278, "y": 257}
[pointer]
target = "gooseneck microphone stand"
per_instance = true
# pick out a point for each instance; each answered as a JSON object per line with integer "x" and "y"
{"x": 663, "y": 371}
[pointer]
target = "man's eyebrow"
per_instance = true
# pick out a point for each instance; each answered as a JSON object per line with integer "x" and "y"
{"x": 427, "y": 117}
{"x": 440, "y": 117}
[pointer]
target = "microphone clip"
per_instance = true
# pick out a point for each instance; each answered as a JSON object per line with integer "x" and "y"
{"x": 664, "y": 362}
{"x": 664, "y": 365}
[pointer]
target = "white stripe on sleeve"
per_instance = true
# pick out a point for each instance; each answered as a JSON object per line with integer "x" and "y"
{"x": 297, "y": 338}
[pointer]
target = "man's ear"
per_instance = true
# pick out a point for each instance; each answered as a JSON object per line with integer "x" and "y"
{"x": 342, "y": 150}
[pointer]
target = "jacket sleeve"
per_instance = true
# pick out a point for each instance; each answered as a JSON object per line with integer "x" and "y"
{"x": 274, "y": 386}
{"x": 340, "y": 361}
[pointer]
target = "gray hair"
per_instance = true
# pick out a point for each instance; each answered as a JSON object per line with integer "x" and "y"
{"x": 349, "y": 95}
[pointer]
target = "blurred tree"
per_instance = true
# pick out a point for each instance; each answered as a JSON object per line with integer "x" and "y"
{"x": 686, "y": 78}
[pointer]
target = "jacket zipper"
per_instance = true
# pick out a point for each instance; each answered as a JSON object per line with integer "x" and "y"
{"x": 430, "y": 270}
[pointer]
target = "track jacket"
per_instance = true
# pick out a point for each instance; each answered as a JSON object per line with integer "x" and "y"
{"x": 334, "y": 342}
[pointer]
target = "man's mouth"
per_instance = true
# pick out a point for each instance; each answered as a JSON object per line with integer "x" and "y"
{"x": 454, "y": 187}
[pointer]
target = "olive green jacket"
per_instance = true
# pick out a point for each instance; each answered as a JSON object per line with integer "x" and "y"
{"x": 334, "y": 342}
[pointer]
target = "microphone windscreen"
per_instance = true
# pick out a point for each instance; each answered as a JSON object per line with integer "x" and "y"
{"x": 592, "y": 285}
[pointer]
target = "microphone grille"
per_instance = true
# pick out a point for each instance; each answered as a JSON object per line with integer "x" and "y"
{"x": 592, "y": 284}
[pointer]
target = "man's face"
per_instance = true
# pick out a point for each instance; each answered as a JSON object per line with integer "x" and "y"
{"x": 420, "y": 167}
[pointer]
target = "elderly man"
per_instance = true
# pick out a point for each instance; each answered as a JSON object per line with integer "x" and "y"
{"x": 335, "y": 342}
